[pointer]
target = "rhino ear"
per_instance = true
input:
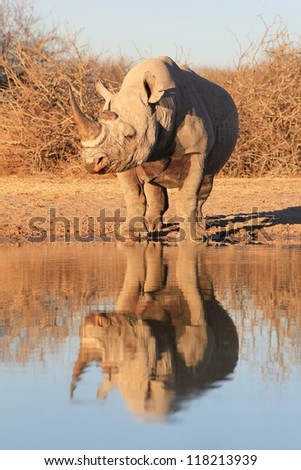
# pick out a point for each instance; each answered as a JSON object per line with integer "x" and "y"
{"x": 152, "y": 93}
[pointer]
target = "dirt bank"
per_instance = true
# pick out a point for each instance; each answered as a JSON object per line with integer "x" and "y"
{"x": 238, "y": 210}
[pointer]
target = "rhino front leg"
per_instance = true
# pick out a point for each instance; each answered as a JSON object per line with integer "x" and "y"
{"x": 135, "y": 201}
{"x": 156, "y": 206}
{"x": 188, "y": 201}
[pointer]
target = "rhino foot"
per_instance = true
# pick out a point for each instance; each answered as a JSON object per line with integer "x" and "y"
{"x": 174, "y": 232}
{"x": 188, "y": 232}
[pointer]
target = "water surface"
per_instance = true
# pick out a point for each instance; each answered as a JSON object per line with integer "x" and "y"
{"x": 150, "y": 347}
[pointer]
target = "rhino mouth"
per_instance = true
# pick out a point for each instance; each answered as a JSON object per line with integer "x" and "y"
{"x": 100, "y": 166}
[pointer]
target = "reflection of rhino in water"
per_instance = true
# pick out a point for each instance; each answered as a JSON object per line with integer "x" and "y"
{"x": 168, "y": 338}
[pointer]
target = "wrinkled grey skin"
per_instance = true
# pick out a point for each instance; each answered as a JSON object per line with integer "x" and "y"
{"x": 167, "y": 127}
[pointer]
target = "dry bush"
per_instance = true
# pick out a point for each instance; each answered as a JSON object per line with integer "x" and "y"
{"x": 37, "y": 132}
{"x": 266, "y": 86}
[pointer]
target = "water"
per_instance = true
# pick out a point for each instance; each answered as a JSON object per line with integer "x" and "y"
{"x": 150, "y": 347}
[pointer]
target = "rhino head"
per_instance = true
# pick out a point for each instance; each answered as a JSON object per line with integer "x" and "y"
{"x": 125, "y": 132}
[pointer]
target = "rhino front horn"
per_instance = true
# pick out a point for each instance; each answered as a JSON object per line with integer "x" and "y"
{"x": 87, "y": 128}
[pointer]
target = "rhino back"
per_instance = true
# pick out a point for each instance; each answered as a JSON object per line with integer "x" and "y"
{"x": 223, "y": 115}
{"x": 195, "y": 114}
{"x": 163, "y": 68}
{"x": 216, "y": 108}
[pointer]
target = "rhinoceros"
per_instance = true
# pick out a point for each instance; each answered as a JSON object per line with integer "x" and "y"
{"x": 167, "y": 127}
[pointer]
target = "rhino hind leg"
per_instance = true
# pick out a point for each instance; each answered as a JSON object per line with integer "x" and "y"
{"x": 204, "y": 192}
{"x": 195, "y": 190}
{"x": 156, "y": 206}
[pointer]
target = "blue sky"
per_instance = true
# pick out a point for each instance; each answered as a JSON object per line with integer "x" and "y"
{"x": 201, "y": 32}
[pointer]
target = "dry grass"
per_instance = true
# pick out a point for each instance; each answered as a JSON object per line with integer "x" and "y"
{"x": 37, "y": 132}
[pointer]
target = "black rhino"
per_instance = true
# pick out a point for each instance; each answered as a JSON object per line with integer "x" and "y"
{"x": 167, "y": 127}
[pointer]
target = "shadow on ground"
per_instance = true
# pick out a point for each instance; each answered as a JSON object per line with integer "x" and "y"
{"x": 250, "y": 227}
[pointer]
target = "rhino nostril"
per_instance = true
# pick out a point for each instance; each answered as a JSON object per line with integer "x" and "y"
{"x": 100, "y": 163}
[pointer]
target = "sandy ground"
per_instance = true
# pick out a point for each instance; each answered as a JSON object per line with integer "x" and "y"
{"x": 238, "y": 211}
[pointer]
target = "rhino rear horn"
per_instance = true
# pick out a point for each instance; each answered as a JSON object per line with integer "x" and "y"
{"x": 87, "y": 127}
{"x": 103, "y": 91}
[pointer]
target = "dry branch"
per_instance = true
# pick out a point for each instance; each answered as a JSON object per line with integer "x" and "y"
{"x": 37, "y": 132}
